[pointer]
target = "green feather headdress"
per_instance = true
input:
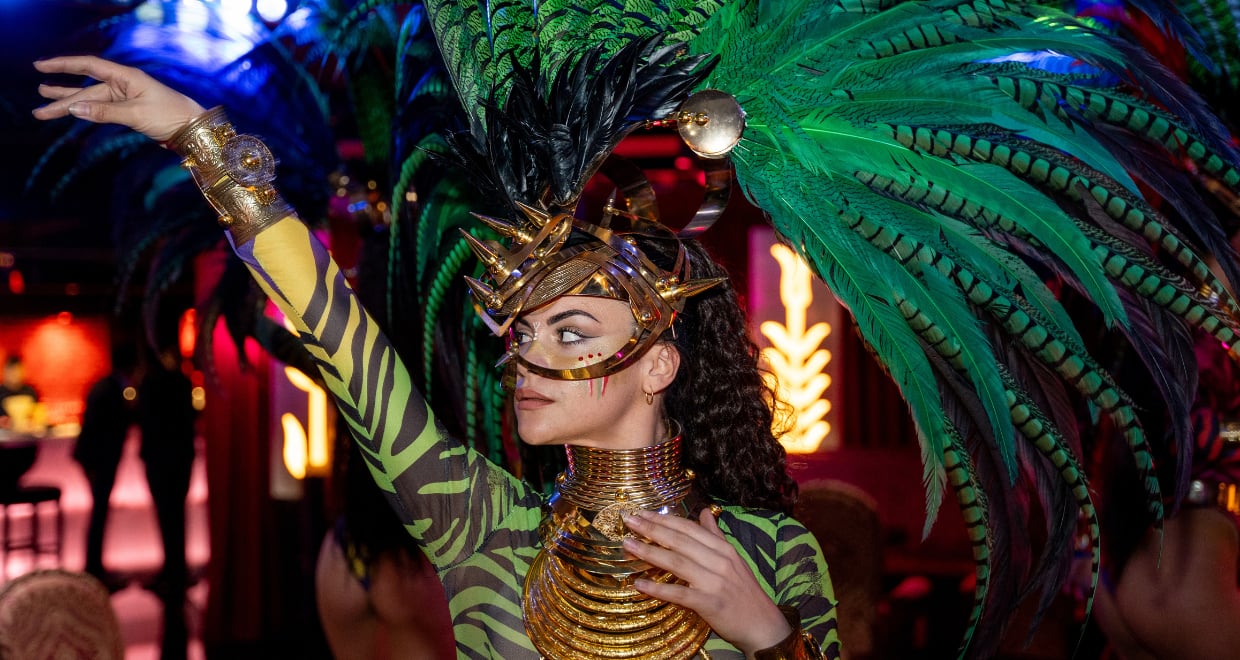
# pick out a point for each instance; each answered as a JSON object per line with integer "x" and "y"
{"x": 936, "y": 177}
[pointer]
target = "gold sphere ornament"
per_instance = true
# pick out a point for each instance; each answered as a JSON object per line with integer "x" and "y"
{"x": 251, "y": 161}
{"x": 711, "y": 122}
{"x": 248, "y": 161}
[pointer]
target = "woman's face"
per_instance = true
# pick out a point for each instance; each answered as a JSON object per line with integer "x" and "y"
{"x": 610, "y": 411}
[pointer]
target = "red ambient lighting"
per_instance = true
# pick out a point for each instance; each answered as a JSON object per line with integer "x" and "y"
{"x": 17, "y": 283}
{"x": 187, "y": 332}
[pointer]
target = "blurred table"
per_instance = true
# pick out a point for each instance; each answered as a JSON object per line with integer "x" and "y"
{"x": 10, "y": 438}
{"x": 18, "y": 452}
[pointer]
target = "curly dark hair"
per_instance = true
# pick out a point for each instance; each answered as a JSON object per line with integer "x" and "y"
{"x": 719, "y": 395}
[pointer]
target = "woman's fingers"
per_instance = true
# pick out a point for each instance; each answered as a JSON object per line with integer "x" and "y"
{"x": 720, "y": 587}
{"x": 63, "y": 97}
{"x": 103, "y": 102}
{"x": 116, "y": 112}
{"x": 681, "y": 534}
{"x": 88, "y": 65}
{"x": 57, "y": 92}
{"x": 672, "y": 592}
{"x": 707, "y": 521}
{"x": 673, "y": 561}
{"x": 679, "y": 546}
{"x": 124, "y": 95}
{"x": 670, "y": 526}
{"x": 699, "y": 594}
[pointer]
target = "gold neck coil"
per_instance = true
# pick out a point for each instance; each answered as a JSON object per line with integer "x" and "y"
{"x": 645, "y": 478}
{"x": 579, "y": 597}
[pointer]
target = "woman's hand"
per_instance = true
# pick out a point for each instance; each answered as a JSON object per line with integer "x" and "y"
{"x": 124, "y": 95}
{"x": 721, "y": 588}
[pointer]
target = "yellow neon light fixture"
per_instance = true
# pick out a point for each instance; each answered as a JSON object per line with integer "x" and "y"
{"x": 305, "y": 448}
{"x": 315, "y": 438}
{"x": 795, "y": 357}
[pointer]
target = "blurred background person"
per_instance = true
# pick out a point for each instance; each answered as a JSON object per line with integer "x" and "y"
{"x": 109, "y": 412}
{"x": 17, "y": 397}
{"x": 166, "y": 418}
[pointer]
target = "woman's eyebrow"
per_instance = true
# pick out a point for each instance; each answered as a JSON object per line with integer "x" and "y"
{"x": 570, "y": 312}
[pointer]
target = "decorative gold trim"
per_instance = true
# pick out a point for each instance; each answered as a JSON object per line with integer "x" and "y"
{"x": 234, "y": 172}
{"x": 1229, "y": 432}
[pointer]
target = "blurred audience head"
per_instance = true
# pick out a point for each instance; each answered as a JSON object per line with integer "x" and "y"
{"x": 14, "y": 372}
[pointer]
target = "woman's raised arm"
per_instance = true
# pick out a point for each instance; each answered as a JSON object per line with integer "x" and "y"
{"x": 447, "y": 495}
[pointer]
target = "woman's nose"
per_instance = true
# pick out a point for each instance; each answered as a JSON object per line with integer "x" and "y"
{"x": 523, "y": 374}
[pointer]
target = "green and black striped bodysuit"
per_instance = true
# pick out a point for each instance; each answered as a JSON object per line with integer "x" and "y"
{"x": 475, "y": 521}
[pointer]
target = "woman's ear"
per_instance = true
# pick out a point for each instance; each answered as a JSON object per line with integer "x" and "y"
{"x": 664, "y": 363}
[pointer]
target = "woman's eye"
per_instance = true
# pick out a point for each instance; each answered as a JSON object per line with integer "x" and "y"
{"x": 571, "y": 336}
{"x": 521, "y": 338}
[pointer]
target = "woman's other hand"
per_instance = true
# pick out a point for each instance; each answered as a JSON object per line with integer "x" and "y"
{"x": 721, "y": 588}
{"x": 124, "y": 95}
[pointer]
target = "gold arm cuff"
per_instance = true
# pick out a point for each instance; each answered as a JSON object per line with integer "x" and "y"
{"x": 234, "y": 172}
{"x": 798, "y": 645}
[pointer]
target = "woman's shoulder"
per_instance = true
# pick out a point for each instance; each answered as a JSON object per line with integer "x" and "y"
{"x": 754, "y": 514}
{"x": 744, "y": 522}
{"x": 776, "y": 545}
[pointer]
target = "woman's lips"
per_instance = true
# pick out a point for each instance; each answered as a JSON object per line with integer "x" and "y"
{"x": 531, "y": 400}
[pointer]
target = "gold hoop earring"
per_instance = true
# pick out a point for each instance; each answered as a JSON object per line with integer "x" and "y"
{"x": 649, "y": 398}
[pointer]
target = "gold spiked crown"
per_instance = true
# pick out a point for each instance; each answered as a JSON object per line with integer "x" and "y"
{"x": 552, "y": 255}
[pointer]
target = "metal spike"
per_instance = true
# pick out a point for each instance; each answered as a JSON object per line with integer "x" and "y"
{"x": 691, "y": 288}
{"x": 506, "y": 357}
{"x": 488, "y": 255}
{"x": 504, "y": 228}
{"x": 609, "y": 209}
{"x": 537, "y": 216}
{"x": 485, "y": 294}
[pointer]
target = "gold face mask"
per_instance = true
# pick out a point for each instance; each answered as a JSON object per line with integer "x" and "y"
{"x": 581, "y": 331}
{"x": 559, "y": 255}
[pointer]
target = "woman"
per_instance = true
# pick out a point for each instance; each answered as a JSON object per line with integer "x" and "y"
{"x": 614, "y": 366}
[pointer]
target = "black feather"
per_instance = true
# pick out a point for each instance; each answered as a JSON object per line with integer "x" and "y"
{"x": 542, "y": 147}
